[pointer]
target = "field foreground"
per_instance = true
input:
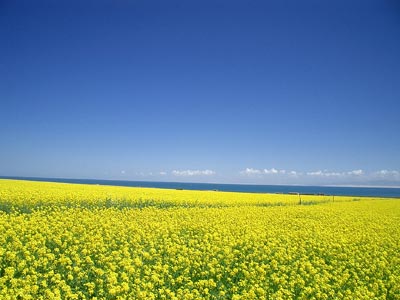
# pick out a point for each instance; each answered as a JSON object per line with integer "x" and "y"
{"x": 70, "y": 241}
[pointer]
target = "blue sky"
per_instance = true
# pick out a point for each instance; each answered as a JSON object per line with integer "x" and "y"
{"x": 273, "y": 92}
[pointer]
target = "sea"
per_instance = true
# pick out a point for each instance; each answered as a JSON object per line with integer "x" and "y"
{"x": 246, "y": 188}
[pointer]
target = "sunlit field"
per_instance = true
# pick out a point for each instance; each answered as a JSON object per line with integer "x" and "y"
{"x": 73, "y": 241}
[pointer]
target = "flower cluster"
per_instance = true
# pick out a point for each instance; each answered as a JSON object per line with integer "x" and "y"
{"x": 335, "y": 250}
{"x": 26, "y": 196}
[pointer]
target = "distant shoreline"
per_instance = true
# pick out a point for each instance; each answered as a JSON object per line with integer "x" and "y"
{"x": 34, "y": 178}
{"x": 356, "y": 191}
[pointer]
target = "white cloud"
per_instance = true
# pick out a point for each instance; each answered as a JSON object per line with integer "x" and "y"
{"x": 333, "y": 174}
{"x": 387, "y": 174}
{"x": 315, "y": 173}
{"x": 325, "y": 173}
{"x": 163, "y": 173}
{"x": 356, "y": 172}
{"x": 274, "y": 171}
{"x": 271, "y": 171}
{"x": 193, "y": 172}
{"x": 251, "y": 171}
{"x": 356, "y": 176}
{"x": 123, "y": 172}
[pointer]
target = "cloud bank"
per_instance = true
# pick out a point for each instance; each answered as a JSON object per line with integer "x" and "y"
{"x": 271, "y": 175}
{"x": 357, "y": 176}
{"x": 326, "y": 173}
{"x": 186, "y": 173}
{"x": 251, "y": 171}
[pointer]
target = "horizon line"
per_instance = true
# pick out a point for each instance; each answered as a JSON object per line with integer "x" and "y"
{"x": 189, "y": 182}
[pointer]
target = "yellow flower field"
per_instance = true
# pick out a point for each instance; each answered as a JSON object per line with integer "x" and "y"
{"x": 70, "y": 241}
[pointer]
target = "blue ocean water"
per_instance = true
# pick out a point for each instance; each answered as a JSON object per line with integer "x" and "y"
{"x": 327, "y": 190}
